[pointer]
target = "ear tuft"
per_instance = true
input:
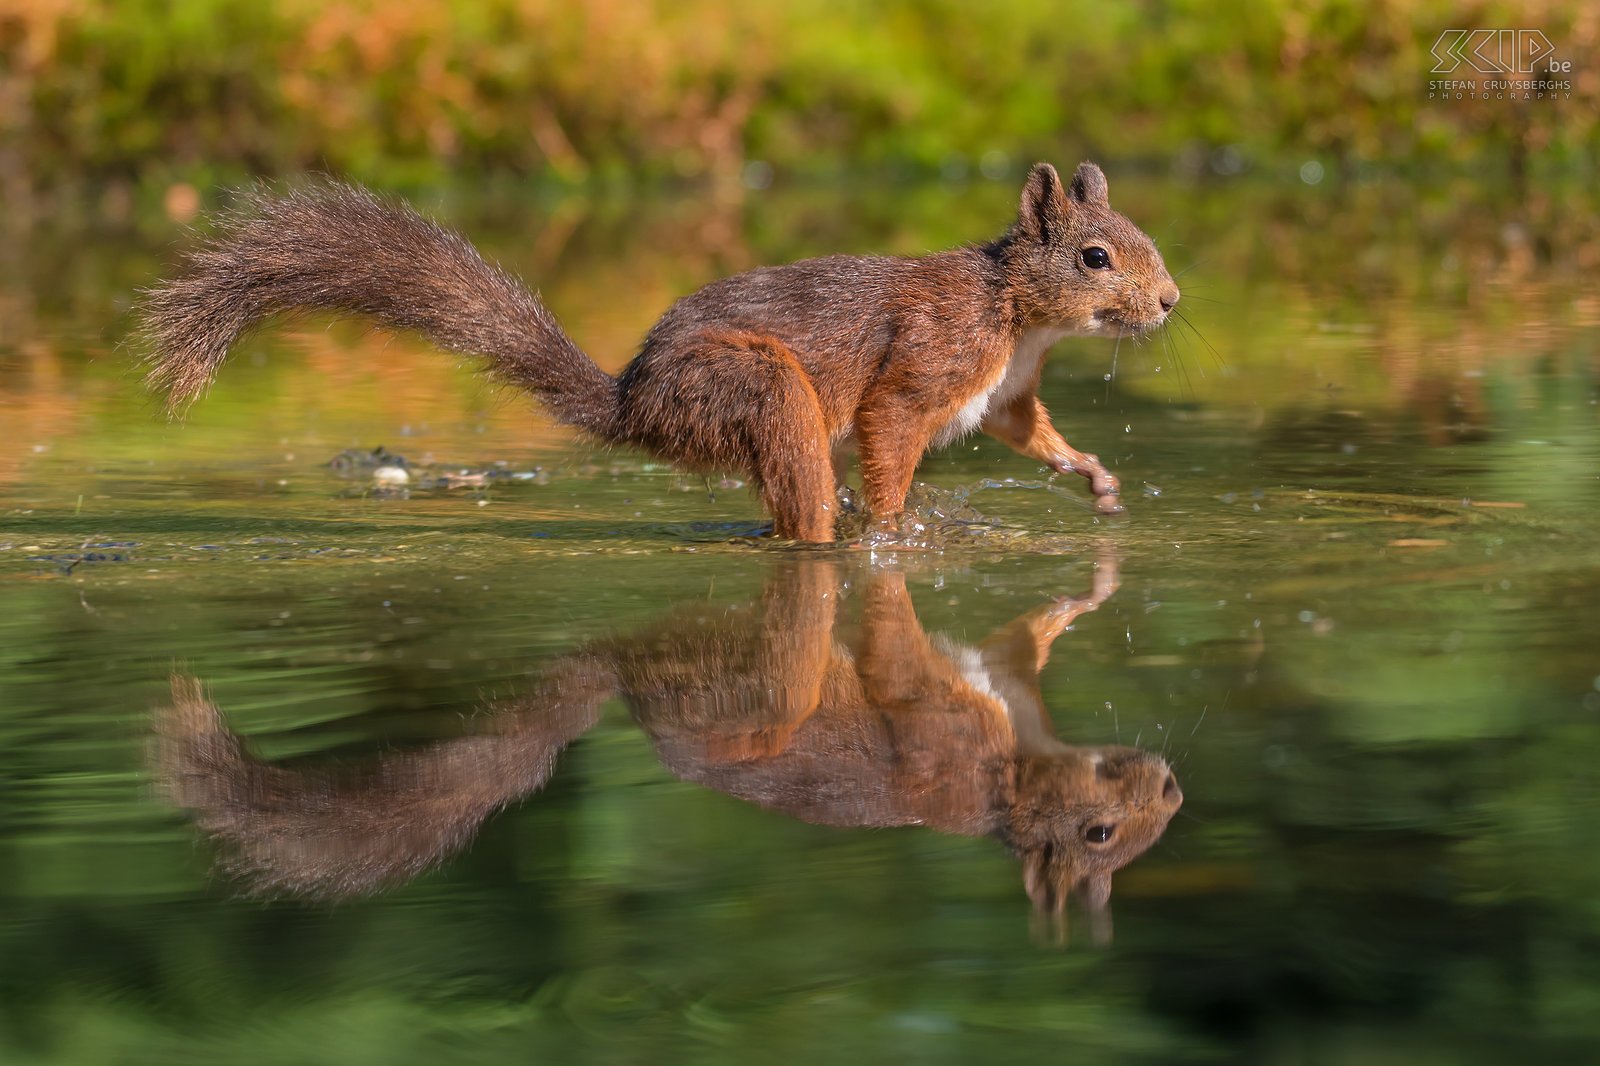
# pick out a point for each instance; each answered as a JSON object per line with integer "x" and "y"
{"x": 1040, "y": 881}
{"x": 1042, "y": 214}
{"x": 1089, "y": 186}
{"x": 1094, "y": 891}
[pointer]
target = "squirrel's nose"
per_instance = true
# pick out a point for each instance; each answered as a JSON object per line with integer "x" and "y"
{"x": 1169, "y": 299}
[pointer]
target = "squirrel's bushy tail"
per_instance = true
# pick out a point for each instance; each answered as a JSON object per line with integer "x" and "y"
{"x": 335, "y": 247}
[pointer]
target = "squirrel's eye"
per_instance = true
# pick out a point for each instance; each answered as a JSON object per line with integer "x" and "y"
{"x": 1096, "y": 258}
{"x": 1099, "y": 834}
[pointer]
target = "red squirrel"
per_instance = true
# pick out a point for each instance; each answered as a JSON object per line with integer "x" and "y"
{"x": 770, "y": 372}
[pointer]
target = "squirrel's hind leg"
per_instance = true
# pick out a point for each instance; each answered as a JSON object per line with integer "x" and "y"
{"x": 793, "y": 461}
{"x": 738, "y": 400}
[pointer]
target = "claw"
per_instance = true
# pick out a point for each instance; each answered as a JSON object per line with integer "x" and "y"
{"x": 1102, "y": 482}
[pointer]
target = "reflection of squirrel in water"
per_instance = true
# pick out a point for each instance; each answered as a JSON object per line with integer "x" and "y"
{"x": 900, "y": 730}
{"x": 771, "y": 372}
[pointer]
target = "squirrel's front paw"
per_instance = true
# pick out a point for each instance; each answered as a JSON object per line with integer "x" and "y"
{"x": 1101, "y": 480}
{"x": 1107, "y": 489}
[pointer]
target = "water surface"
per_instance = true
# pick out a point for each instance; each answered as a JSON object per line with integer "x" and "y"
{"x": 1354, "y": 612}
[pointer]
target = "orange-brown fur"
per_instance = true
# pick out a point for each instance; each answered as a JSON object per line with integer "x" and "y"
{"x": 898, "y": 729}
{"x": 768, "y": 371}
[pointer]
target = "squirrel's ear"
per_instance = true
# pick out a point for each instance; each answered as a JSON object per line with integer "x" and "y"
{"x": 1043, "y": 212}
{"x": 1042, "y": 882}
{"x": 1094, "y": 891}
{"x": 1089, "y": 186}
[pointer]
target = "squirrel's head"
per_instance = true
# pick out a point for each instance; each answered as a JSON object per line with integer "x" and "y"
{"x": 1080, "y": 815}
{"x": 1079, "y": 266}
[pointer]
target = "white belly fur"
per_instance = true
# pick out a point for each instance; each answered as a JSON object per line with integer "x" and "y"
{"x": 1013, "y": 378}
{"x": 1027, "y": 723}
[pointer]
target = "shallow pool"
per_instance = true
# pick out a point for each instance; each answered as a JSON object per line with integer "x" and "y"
{"x": 548, "y": 754}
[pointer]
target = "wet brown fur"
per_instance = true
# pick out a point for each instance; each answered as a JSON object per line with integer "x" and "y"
{"x": 765, "y": 372}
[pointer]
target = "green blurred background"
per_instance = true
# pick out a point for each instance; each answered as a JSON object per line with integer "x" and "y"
{"x": 102, "y": 100}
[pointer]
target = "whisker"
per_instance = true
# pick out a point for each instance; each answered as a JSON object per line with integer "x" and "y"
{"x": 1201, "y": 337}
{"x": 1183, "y": 321}
{"x": 1176, "y": 359}
{"x": 1113, "y": 377}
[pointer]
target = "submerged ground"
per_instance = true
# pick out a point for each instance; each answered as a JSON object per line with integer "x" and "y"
{"x": 1355, "y": 613}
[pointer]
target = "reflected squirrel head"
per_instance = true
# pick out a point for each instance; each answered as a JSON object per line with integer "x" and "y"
{"x": 1079, "y": 816}
{"x": 1077, "y": 265}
